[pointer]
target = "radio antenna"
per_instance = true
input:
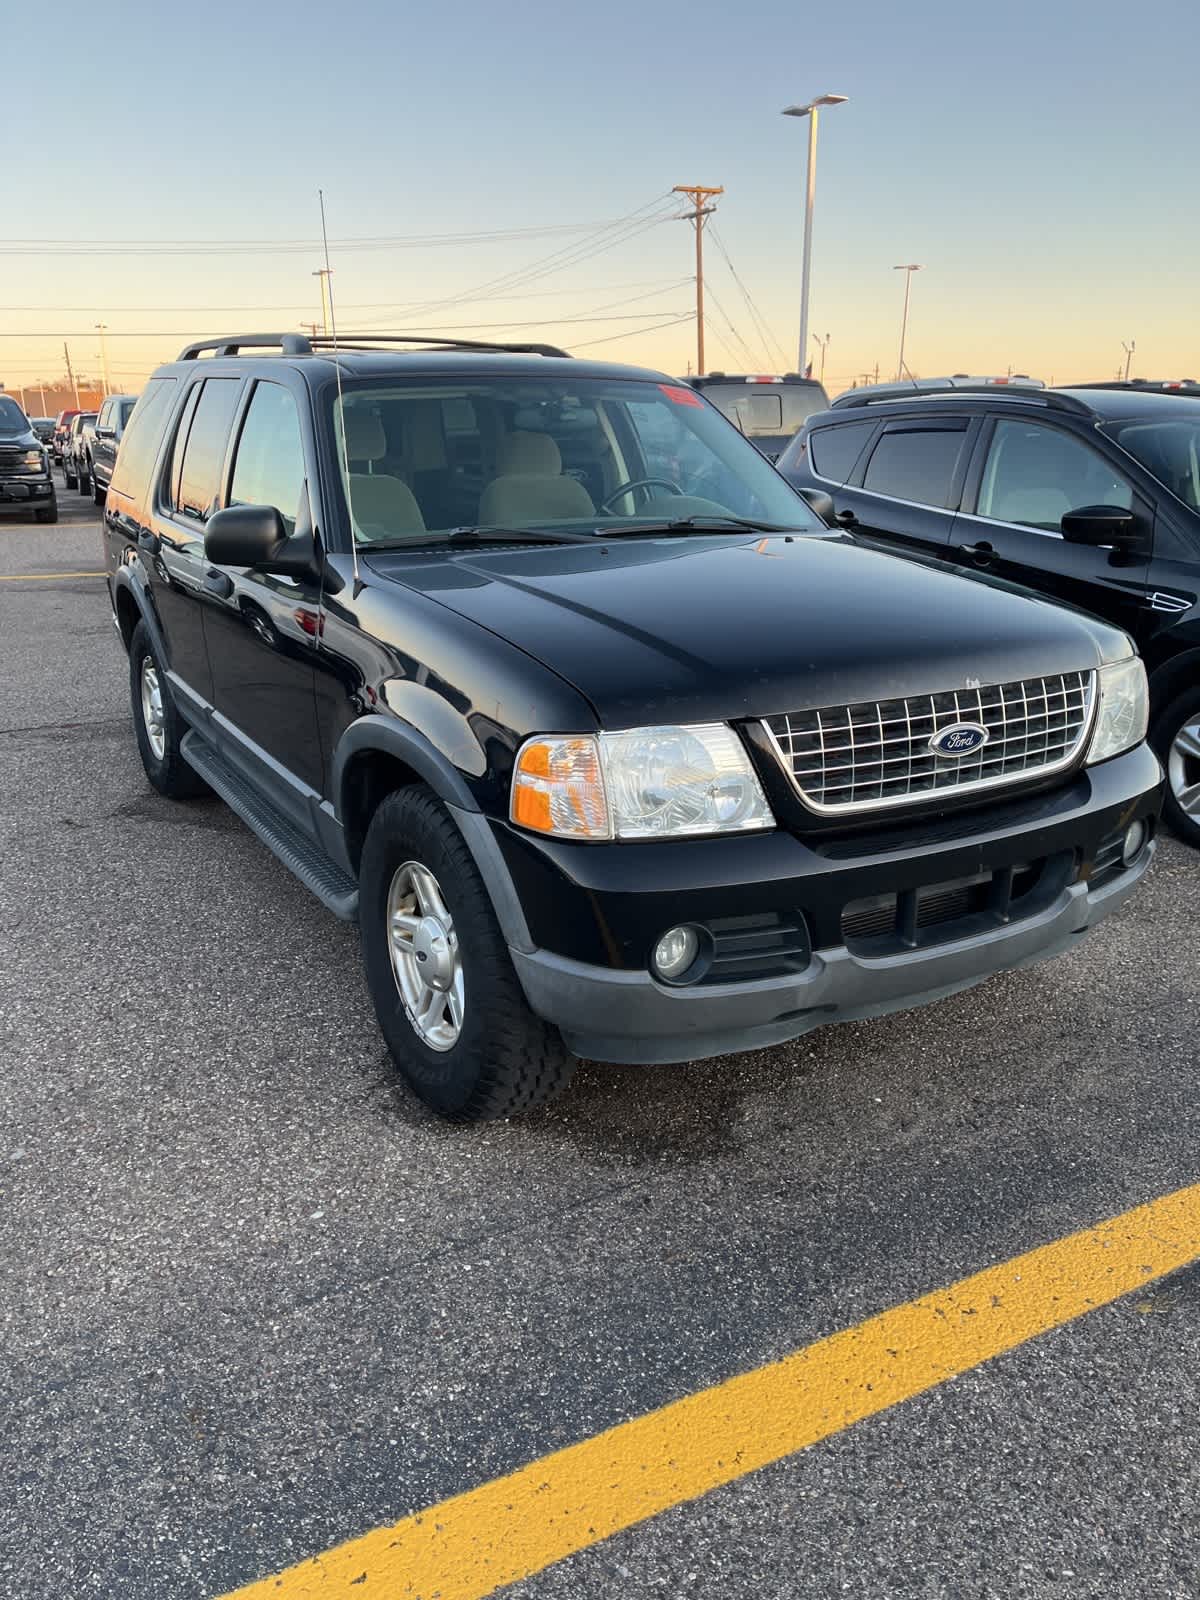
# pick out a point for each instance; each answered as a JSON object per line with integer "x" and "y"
{"x": 337, "y": 367}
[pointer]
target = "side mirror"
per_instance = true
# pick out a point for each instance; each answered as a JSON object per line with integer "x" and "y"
{"x": 821, "y": 504}
{"x": 244, "y": 536}
{"x": 1103, "y": 525}
{"x": 105, "y": 433}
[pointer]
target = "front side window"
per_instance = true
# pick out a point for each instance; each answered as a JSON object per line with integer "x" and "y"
{"x": 268, "y": 469}
{"x": 204, "y": 452}
{"x": 1035, "y": 475}
{"x": 1169, "y": 451}
{"x": 915, "y": 464}
{"x": 139, "y": 443}
{"x": 426, "y": 458}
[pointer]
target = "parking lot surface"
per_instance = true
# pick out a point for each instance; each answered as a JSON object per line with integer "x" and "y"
{"x": 254, "y": 1301}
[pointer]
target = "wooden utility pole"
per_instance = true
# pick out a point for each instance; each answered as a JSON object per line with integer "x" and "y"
{"x": 70, "y": 373}
{"x": 323, "y": 274}
{"x": 698, "y": 195}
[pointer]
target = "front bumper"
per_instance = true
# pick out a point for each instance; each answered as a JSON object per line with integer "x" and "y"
{"x": 617, "y": 1011}
{"x": 24, "y": 491}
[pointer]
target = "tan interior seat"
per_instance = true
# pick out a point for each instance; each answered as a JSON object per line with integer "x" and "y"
{"x": 383, "y": 507}
{"x": 530, "y": 485}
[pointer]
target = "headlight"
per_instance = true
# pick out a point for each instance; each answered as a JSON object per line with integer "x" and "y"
{"x": 32, "y": 458}
{"x": 1123, "y": 711}
{"x": 648, "y": 783}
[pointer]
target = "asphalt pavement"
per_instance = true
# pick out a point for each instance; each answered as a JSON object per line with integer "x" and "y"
{"x": 254, "y": 1300}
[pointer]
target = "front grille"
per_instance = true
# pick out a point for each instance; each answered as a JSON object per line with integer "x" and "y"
{"x": 876, "y": 754}
{"x": 12, "y": 460}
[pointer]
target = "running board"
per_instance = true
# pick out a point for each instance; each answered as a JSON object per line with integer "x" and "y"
{"x": 332, "y": 887}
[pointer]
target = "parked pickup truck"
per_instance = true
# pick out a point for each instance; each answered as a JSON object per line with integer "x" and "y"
{"x": 637, "y": 761}
{"x": 104, "y": 443}
{"x": 75, "y": 450}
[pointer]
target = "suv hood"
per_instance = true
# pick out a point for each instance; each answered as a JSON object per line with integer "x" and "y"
{"x": 23, "y": 437}
{"x": 713, "y": 628}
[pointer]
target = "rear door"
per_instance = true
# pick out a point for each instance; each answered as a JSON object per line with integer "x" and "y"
{"x": 263, "y": 628}
{"x": 1027, "y": 474}
{"x": 905, "y": 490}
{"x": 186, "y": 493}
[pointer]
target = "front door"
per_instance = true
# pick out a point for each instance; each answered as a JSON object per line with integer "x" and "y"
{"x": 263, "y": 628}
{"x": 1029, "y": 475}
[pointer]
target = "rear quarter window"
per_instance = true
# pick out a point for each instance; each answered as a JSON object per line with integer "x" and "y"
{"x": 142, "y": 436}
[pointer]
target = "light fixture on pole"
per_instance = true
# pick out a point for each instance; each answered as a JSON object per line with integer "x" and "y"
{"x": 1128, "y": 349}
{"x": 824, "y": 344}
{"x": 811, "y": 110}
{"x": 908, "y": 268}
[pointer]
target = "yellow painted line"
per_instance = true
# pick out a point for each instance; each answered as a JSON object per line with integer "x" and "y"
{"x": 44, "y": 577}
{"x": 470, "y": 1546}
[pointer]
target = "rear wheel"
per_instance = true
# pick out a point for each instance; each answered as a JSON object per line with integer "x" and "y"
{"x": 68, "y": 476}
{"x": 1176, "y": 740}
{"x": 157, "y": 724}
{"x": 85, "y": 478}
{"x": 448, "y": 1001}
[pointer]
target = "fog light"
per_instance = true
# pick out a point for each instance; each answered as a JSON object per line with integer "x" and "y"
{"x": 675, "y": 952}
{"x": 1135, "y": 838}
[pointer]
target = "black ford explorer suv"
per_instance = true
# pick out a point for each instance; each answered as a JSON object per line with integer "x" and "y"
{"x": 1090, "y": 495}
{"x": 26, "y": 482}
{"x": 631, "y": 759}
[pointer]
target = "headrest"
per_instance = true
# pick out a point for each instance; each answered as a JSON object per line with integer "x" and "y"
{"x": 424, "y": 443}
{"x": 365, "y": 438}
{"x": 535, "y": 453}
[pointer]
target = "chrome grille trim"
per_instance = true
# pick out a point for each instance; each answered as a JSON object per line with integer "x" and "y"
{"x": 844, "y": 759}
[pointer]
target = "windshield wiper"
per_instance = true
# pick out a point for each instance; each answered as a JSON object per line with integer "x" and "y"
{"x": 517, "y": 535}
{"x": 715, "y": 524}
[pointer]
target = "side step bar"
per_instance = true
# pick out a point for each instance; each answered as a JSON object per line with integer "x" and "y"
{"x": 332, "y": 887}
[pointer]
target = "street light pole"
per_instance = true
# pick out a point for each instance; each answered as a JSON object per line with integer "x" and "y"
{"x": 907, "y": 269}
{"x": 811, "y": 110}
{"x": 102, "y": 329}
{"x": 824, "y": 344}
{"x": 1128, "y": 349}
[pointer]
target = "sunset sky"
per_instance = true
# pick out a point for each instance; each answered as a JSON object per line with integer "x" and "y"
{"x": 1037, "y": 159}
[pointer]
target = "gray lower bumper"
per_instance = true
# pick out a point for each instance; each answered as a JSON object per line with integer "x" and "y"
{"x": 610, "y": 1015}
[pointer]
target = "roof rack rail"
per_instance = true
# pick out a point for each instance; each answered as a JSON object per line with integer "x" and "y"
{"x": 434, "y": 341}
{"x": 289, "y": 344}
{"x": 1144, "y": 385}
{"x": 1050, "y": 398}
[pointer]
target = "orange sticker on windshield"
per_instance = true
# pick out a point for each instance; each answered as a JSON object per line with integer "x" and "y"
{"x": 681, "y": 396}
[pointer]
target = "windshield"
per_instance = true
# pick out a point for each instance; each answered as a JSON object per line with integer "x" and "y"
{"x": 12, "y": 418}
{"x": 1168, "y": 449}
{"x": 427, "y": 458}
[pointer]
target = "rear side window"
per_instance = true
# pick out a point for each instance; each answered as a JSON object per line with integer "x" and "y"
{"x": 834, "y": 451}
{"x": 269, "y": 467}
{"x": 140, "y": 441}
{"x": 915, "y": 465}
{"x": 204, "y": 452}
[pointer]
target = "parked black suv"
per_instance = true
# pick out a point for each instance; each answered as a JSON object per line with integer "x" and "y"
{"x": 106, "y": 441}
{"x": 630, "y": 758}
{"x": 1089, "y": 494}
{"x": 26, "y": 482}
{"x": 769, "y": 410}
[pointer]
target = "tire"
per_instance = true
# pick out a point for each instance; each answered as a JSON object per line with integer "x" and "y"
{"x": 69, "y": 477}
{"x": 504, "y": 1060}
{"x": 85, "y": 480}
{"x": 47, "y": 513}
{"x": 99, "y": 494}
{"x": 166, "y": 769}
{"x": 1175, "y": 737}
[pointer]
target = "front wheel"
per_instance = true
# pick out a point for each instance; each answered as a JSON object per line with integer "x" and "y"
{"x": 47, "y": 513}
{"x": 85, "y": 480}
{"x": 1175, "y": 737}
{"x": 98, "y": 492}
{"x": 448, "y": 1001}
{"x": 69, "y": 477}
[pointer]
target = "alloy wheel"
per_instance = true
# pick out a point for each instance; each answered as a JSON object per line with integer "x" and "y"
{"x": 426, "y": 961}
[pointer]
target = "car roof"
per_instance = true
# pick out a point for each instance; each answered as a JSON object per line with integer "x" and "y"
{"x": 424, "y": 364}
{"x": 699, "y": 380}
{"x": 1100, "y": 404}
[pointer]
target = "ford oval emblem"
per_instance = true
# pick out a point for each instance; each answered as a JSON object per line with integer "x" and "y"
{"x": 960, "y": 739}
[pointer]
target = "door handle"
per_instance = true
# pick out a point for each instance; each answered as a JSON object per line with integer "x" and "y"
{"x": 981, "y": 554}
{"x": 150, "y": 543}
{"x": 217, "y": 583}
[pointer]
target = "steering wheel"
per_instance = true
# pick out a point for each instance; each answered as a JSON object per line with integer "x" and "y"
{"x": 638, "y": 483}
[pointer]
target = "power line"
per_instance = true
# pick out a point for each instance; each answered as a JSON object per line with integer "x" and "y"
{"x": 203, "y": 247}
{"x": 756, "y": 317}
{"x": 729, "y": 323}
{"x": 610, "y": 337}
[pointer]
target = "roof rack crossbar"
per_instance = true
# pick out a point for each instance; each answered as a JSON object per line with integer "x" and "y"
{"x": 1049, "y": 398}
{"x": 290, "y": 344}
{"x": 436, "y": 341}
{"x": 1172, "y": 386}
